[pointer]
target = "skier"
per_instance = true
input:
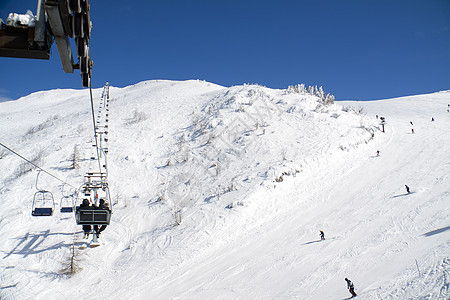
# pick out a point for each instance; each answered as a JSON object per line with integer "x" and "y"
{"x": 378, "y": 152}
{"x": 407, "y": 188}
{"x": 86, "y": 228}
{"x": 322, "y": 235}
{"x": 102, "y": 205}
{"x": 350, "y": 287}
{"x": 432, "y": 119}
{"x": 412, "y": 130}
{"x": 411, "y": 123}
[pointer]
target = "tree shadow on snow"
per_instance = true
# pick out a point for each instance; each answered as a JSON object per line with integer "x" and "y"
{"x": 52, "y": 275}
{"x": 62, "y": 169}
{"x": 433, "y": 232}
{"x": 30, "y": 243}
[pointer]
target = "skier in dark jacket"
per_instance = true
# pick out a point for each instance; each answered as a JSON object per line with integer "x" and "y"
{"x": 350, "y": 287}
{"x": 322, "y": 235}
{"x": 102, "y": 205}
{"x": 86, "y": 228}
{"x": 407, "y": 188}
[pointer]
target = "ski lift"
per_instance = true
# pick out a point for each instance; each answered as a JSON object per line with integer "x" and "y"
{"x": 43, "y": 202}
{"x": 56, "y": 20}
{"x": 66, "y": 205}
{"x": 94, "y": 189}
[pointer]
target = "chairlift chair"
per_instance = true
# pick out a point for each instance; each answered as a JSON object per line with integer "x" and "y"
{"x": 43, "y": 204}
{"x": 66, "y": 205}
{"x": 93, "y": 215}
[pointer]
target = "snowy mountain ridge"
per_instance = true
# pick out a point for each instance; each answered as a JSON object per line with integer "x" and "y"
{"x": 219, "y": 193}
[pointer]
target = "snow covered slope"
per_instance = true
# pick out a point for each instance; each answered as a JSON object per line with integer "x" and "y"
{"x": 220, "y": 193}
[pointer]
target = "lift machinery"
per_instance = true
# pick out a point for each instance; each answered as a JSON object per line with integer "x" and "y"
{"x": 56, "y": 20}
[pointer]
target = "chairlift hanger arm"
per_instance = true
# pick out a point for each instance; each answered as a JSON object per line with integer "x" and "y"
{"x": 57, "y": 12}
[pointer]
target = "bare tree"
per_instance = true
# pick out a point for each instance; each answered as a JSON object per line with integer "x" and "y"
{"x": 71, "y": 264}
{"x": 75, "y": 157}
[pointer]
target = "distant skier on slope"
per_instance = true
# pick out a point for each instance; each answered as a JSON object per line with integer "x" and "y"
{"x": 322, "y": 235}
{"x": 411, "y": 123}
{"x": 412, "y": 130}
{"x": 407, "y": 189}
{"x": 378, "y": 153}
{"x": 350, "y": 287}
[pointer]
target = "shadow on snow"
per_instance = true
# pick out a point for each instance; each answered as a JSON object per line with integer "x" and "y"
{"x": 29, "y": 243}
{"x": 327, "y": 239}
{"x": 312, "y": 242}
{"x": 437, "y": 231}
{"x": 402, "y": 195}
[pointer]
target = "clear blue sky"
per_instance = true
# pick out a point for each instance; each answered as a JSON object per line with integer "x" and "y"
{"x": 355, "y": 49}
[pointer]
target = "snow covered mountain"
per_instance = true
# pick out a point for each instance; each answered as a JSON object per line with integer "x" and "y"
{"x": 220, "y": 193}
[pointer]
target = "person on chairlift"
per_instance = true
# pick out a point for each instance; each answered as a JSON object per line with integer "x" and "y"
{"x": 102, "y": 205}
{"x": 86, "y": 228}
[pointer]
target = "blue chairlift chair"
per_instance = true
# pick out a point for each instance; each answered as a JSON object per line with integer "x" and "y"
{"x": 66, "y": 205}
{"x": 43, "y": 204}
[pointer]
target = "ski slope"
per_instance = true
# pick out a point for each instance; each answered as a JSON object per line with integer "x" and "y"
{"x": 253, "y": 174}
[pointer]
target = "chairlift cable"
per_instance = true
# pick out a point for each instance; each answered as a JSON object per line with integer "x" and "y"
{"x": 95, "y": 129}
{"x": 28, "y": 161}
